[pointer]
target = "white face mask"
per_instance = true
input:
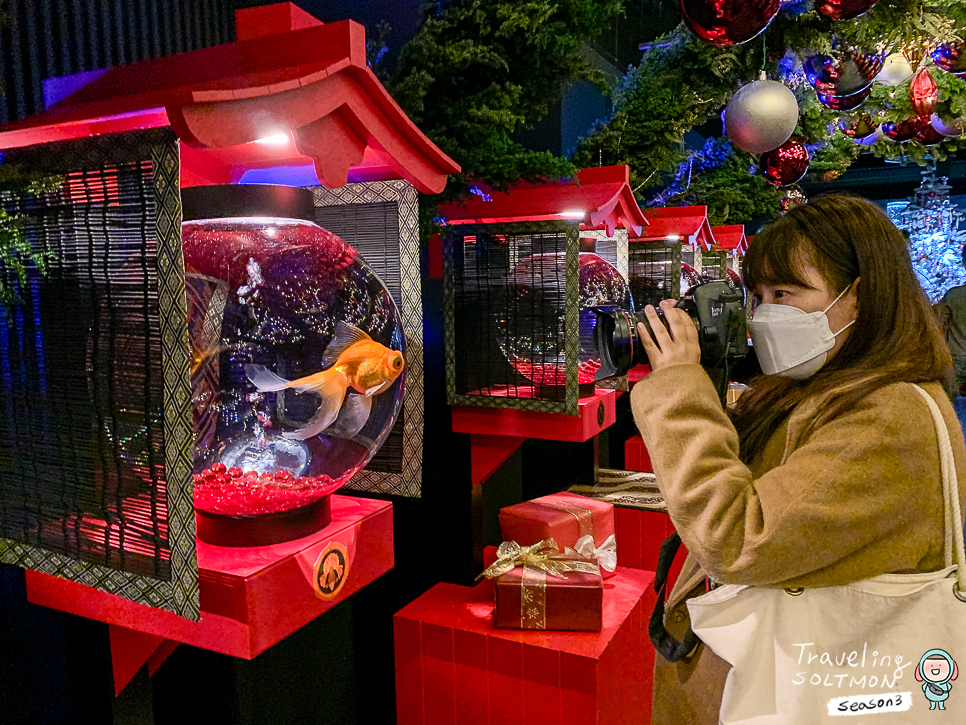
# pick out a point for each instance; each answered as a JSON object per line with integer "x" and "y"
{"x": 791, "y": 342}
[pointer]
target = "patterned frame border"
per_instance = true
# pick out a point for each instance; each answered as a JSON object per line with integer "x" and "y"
{"x": 618, "y": 243}
{"x": 409, "y": 482}
{"x": 698, "y": 258}
{"x": 180, "y": 595}
{"x": 615, "y": 252}
{"x": 570, "y": 405}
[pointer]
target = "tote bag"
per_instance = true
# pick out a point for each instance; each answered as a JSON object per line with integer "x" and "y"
{"x": 884, "y": 650}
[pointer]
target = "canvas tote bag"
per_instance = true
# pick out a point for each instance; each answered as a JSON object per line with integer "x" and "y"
{"x": 885, "y": 650}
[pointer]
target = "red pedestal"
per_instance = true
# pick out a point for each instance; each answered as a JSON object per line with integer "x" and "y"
{"x": 636, "y": 457}
{"x": 596, "y": 413}
{"x": 454, "y": 667}
{"x": 251, "y": 598}
{"x": 639, "y": 536}
{"x": 637, "y": 373}
{"x": 488, "y": 453}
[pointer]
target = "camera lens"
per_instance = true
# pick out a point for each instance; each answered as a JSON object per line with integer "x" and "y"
{"x": 714, "y": 307}
{"x": 617, "y": 340}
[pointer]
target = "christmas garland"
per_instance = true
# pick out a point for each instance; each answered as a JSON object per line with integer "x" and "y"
{"x": 683, "y": 83}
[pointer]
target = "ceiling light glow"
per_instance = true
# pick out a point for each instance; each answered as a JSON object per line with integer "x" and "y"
{"x": 277, "y": 139}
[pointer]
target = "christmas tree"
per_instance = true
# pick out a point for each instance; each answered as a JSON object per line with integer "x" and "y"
{"x": 685, "y": 82}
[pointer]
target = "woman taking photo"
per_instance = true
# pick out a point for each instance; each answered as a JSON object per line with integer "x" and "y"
{"x": 827, "y": 471}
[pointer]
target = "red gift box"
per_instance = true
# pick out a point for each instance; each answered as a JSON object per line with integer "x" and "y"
{"x": 453, "y": 667}
{"x": 563, "y": 517}
{"x": 527, "y": 598}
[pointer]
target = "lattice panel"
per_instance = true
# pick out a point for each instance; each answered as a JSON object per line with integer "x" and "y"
{"x": 653, "y": 272}
{"x": 713, "y": 265}
{"x": 512, "y": 316}
{"x": 106, "y": 475}
{"x": 398, "y": 266}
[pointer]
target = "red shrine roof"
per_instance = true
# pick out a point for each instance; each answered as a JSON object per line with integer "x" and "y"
{"x": 731, "y": 238}
{"x": 601, "y": 198}
{"x": 687, "y": 223}
{"x": 231, "y": 104}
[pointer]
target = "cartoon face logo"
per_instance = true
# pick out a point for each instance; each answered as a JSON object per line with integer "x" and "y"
{"x": 936, "y": 671}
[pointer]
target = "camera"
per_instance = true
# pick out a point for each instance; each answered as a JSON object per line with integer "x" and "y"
{"x": 716, "y": 309}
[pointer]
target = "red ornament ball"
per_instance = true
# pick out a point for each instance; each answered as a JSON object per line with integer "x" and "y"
{"x": 786, "y": 164}
{"x": 899, "y": 132}
{"x": 926, "y": 134}
{"x": 842, "y": 74}
{"x": 844, "y": 103}
{"x": 844, "y": 9}
{"x": 728, "y": 22}
{"x": 950, "y": 57}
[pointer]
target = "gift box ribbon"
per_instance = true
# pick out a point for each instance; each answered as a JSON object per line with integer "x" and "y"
{"x": 605, "y": 555}
{"x": 537, "y": 560}
{"x": 584, "y": 516}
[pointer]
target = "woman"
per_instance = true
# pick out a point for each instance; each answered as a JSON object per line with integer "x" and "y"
{"x": 828, "y": 470}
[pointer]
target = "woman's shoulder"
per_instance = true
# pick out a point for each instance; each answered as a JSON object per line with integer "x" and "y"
{"x": 891, "y": 420}
{"x": 897, "y": 402}
{"x": 905, "y": 397}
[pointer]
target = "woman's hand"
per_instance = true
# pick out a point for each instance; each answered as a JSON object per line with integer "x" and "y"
{"x": 678, "y": 347}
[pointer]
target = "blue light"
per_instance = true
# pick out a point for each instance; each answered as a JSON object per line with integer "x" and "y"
{"x": 480, "y": 193}
{"x": 382, "y": 51}
{"x": 302, "y": 175}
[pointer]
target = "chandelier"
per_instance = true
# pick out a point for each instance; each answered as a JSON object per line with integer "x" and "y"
{"x": 931, "y": 213}
{"x": 935, "y": 239}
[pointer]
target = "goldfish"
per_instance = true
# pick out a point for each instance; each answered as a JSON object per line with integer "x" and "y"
{"x": 352, "y": 360}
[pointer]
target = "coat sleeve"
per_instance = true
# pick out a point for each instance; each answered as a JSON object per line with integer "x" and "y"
{"x": 866, "y": 481}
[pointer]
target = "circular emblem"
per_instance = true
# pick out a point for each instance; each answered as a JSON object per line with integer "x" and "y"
{"x": 600, "y": 415}
{"x": 331, "y": 571}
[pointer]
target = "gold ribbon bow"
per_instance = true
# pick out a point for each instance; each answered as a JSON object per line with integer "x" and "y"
{"x": 542, "y": 556}
{"x": 605, "y": 554}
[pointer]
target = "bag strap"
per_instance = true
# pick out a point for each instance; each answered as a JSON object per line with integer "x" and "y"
{"x": 670, "y": 648}
{"x": 953, "y": 544}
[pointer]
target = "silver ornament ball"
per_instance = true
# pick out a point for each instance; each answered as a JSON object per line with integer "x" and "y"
{"x": 761, "y": 116}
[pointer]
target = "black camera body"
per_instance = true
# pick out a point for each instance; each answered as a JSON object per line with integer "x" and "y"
{"x": 718, "y": 313}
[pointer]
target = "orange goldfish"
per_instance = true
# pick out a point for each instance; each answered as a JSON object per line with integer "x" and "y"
{"x": 352, "y": 360}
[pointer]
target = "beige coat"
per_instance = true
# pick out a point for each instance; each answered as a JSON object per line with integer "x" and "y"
{"x": 861, "y": 496}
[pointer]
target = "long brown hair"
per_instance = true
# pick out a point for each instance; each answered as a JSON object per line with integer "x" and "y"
{"x": 896, "y": 337}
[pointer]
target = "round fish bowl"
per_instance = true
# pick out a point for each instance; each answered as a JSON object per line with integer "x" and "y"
{"x": 531, "y": 328}
{"x": 297, "y": 363}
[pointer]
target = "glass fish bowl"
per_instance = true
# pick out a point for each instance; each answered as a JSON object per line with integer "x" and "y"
{"x": 531, "y": 326}
{"x": 297, "y": 362}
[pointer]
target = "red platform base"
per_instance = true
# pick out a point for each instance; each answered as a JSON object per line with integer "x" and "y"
{"x": 639, "y": 536}
{"x": 596, "y": 413}
{"x": 636, "y": 457}
{"x": 454, "y": 667}
{"x": 251, "y": 598}
{"x": 637, "y": 373}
